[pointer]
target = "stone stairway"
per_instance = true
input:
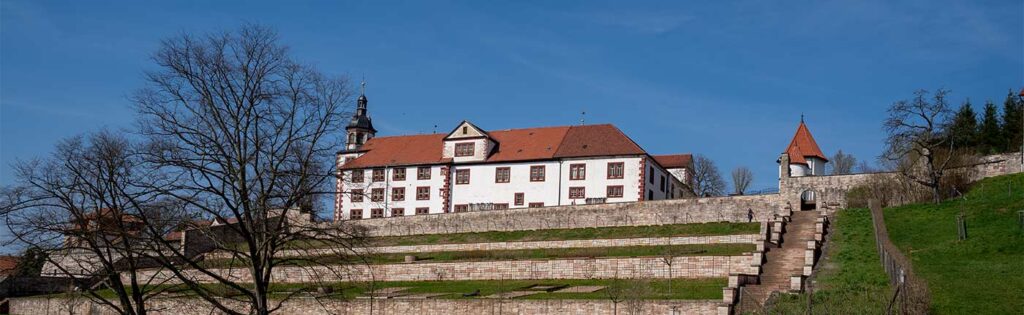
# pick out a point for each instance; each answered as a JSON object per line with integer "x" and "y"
{"x": 785, "y": 261}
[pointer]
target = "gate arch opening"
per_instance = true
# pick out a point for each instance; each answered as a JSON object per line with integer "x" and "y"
{"x": 808, "y": 200}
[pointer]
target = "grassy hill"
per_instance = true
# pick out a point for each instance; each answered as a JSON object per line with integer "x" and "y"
{"x": 981, "y": 275}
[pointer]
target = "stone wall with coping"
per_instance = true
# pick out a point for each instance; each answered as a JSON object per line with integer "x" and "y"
{"x": 659, "y": 212}
{"x": 577, "y": 268}
{"x": 311, "y": 306}
{"x": 430, "y": 248}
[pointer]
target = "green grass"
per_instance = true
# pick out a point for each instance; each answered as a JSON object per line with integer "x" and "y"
{"x": 661, "y": 289}
{"x": 981, "y": 275}
{"x": 545, "y": 253}
{"x": 693, "y": 229}
{"x": 850, "y": 280}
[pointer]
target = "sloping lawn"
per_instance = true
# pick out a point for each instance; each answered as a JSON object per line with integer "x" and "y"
{"x": 525, "y": 254}
{"x": 981, "y": 275}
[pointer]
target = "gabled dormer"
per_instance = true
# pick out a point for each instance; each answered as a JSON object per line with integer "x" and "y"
{"x": 468, "y": 143}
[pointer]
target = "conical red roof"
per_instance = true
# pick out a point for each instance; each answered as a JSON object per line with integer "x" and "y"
{"x": 803, "y": 146}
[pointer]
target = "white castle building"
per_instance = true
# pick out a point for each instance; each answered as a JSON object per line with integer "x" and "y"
{"x": 472, "y": 169}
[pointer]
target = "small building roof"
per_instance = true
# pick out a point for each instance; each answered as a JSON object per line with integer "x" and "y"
{"x": 8, "y": 265}
{"x": 675, "y": 160}
{"x": 803, "y": 146}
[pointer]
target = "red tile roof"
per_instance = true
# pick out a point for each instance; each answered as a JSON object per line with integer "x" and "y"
{"x": 803, "y": 146}
{"x": 675, "y": 160}
{"x": 596, "y": 140}
{"x": 8, "y": 264}
{"x": 513, "y": 145}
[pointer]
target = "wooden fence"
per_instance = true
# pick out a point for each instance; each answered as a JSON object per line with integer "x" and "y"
{"x": 911, "y": 292}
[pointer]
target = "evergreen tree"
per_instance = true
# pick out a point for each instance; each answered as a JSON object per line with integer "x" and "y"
{"x": 964, "y": 127}
{"x": 1013, "y": 113}
{"x": 990, "y": 136}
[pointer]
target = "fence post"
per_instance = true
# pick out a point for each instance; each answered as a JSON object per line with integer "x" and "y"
{"x": 961, "y": 227}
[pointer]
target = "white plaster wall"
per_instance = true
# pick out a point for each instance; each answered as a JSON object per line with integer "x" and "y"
{"x": 797, "y": 170}
{"x": 681, "y": 174}
{"x": 659, "y": 173}
{"x": 483, "y": 189}
{"x": 816, "y": 166}
{"x": 436, "y": 182}
{"x": 481, "y": 149}
{"x": 596, "y": 182}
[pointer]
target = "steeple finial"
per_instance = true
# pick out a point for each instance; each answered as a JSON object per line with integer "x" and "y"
{"x": 583, "y": 115}
{"x": 801, "y": 118}
{"x": 362, "y": 86}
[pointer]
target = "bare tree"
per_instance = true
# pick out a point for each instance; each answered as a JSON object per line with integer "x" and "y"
{"x": 82, "y": 209}
{"x": 241, "y": 133}
{"x": 707, "y": 181}
{"x": 842, "y": 163}
{"x": 741, "y": 179}
{"x": 916, "y": 142}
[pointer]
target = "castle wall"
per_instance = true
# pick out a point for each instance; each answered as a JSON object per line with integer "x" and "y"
{"x": 310, "y": 306}
{"x": 658, "y": 212}
{"x": 579, "y": 268}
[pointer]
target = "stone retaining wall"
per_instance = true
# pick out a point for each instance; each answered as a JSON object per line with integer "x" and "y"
{"x": 658, "y": 212}
{"x": 582, "y": 268}
{"x": 429, "y": 248}
{"x": 310, "y": 306}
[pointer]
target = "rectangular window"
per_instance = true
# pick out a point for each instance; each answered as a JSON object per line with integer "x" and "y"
{"x": 398, "y": 194}
{"x": 500, "y": 206}
{"x": 378, "y": 175}
{"x": 461, "y": 177}
{"x": 464, "y": 149}
{"x": 355, "y": 214}
{"x": 520, "y": 199}
{"x": 615, "y": 170}
{"x": 662, "y": 183}
{"x": 356, "y": 195}
{"x": 377, "y": 194}
{"x": 377, "y": 213}
{"x": 399, "y": 174}
{"x": 614, "y": 191}
{"x": 536, "y": 204}
{"x": 650, "y": 194}
{"x": 577, "y": 193}
{"x": 461, "y": 208}
{"x": 422, "y": 193}
{"x": 358, "y": 176}
{"x": 502, "y": 174}
{"x": 537, "y": 173}
{"x": 423, "y": 173}
{"x": 422, "y": 211}
{"x": 397, "y": 212}
{"x": 651, "y": 171}
{"x": 577, "y": 171}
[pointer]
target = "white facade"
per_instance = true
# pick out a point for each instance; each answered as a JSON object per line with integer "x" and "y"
{"x": 814, "y": 167}
{"x": 483, "y": 192}
{"x": 355, "y": 195}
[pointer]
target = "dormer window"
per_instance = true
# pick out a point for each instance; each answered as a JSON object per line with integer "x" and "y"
{"x": 464, "y": 149}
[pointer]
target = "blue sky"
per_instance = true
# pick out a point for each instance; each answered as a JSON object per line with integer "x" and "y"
{"x": 728, "y": 79}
